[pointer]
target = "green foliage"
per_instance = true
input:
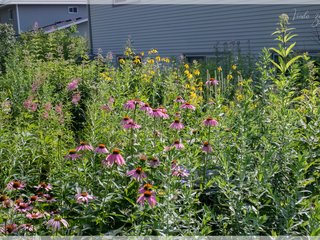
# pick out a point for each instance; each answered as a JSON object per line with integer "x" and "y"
{"x": 7, "y": 40}
{"x": 261, "y": 178}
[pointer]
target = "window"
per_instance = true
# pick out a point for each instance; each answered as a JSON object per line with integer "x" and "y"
{"x": 10, "y": 12}
{"x": 73, "y": 10}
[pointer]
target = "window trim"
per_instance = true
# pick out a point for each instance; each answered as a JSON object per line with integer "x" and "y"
{"x": 73, "y": 7}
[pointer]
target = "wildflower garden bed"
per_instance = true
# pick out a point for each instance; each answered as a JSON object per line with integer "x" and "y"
{"x": 156, "y": 146}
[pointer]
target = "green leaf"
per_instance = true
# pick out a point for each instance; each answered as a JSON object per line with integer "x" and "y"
{"x": 293, "y": 60}
{"x": 289, "y": 49}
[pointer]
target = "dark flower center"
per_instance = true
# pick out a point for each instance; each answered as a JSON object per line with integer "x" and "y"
{"x": 188, "y": 103}
{"x": 206, "y": 144}
{"x": 83, "y": 143}
{"x": 177, "y": 121}
{"x": 209, "y": 119}
{"x": 126, "y": 118}
{"x": 116, "y": 151}
{"x": 43, "y": 185}
{"x": 10, "y": 228}
{"x": 16, "y": 184}
{"x": 179, "y": 98}
{"x": 102, "y": 146}
{"x": 33, "y": 198}
{"x": 139, "y": 170}
{"x": 57, "y": 219}
{"x": 84, "y": 194}
{"x": 72, "y": 151}
{"x": 176, "y": 142}
{"x": 147, "y": 193}
{"x": 3, "y": 198}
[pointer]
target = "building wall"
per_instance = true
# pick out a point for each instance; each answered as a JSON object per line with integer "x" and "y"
{"x": 47, "y": 14}
{"x": 5, "y": 16}
{"x": 197, "y": 29}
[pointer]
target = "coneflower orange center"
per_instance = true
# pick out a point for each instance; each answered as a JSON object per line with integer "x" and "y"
{"x": 116, "y": 151}
{"x": 102, "y": 146}
{"x": 206, "y": 144}
{"x": 84, "y": 194}
{"x": 72, "y": 151}
{"x": 16, "y": 184}
{"x": 82, "y": 143}
{"x": 147, "y": 186}
{"x": 209, "y": 118}
{"x": 147, "y": 193}
{"x": 177, "y": 121}
{"x": 3, "y": 198}
{"x": 176, "y": 142}
{"x": 33, "y": 198}
{"x": 126, "y": 118}
{"x": 10, "y": 228}
{"x": 138, "y": 170}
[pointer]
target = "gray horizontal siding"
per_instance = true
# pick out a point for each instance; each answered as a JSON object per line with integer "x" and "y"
{"x": 4, "y": 16}
{"x": 176, "y": 29}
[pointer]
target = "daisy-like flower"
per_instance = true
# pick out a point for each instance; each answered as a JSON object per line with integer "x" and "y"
{"x": 105, "y": 107}
{"x": 143, "y": 158}
{"x": 9, "y": 228}
{"x": 164, "y": 112}
{"x": 72, "y": 154}
{"x": 147, "y": 196}
{"x": 180, "y": 171}
{"x": 83, "y": 197}
{"x": 131, "y": 125}
{"x": 34, "y": 215}
{"x": 125, "y": 120}
{"x": 33, "y": 199}
{"x": 137, "y": 174}
{"x": 16, "y": 185}
{"x": 84, "y": 147}
{"x": 212, "y": 82}
{"x": 177, "y": 124}
{"x": 49, "y": 198}
{"x": 146, "y": 107}
{"x": 5, "y": 201}
{"x": 27, "y": 227}
{"x": 188, "y": 106}
{"x": 56, "y": 223}
{"x": 131, "y": 104}
{"x": 115, "y": 157}
{"x": 179, "y": 99}
{"x": 210, "y": 122}
{"x": 101, "y": 149}
{"x": 174, "y": 164}
{"x": 23, "y": 207}
{"x": 206, "y": 147}
{"x": 178, "y": 145}
{"x": 145, "y": 187}
{"x": 154, "y": 162}
{"x": 73, "y": 84}
{"x": 44, "y": 186}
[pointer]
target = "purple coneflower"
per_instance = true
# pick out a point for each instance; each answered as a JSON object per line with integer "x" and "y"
{"x": 49, "y": 198}
{"x": 212, "y": 82}
{"x": 83, "y": 197}
{"x": 156, "y": 113}
{"x": 23, "y": 207}
{"x": 84, "y": 147}
{"x": 178, "y": 145}
{"x": 73, "y": 85}
{"x": 114, "y": 157}
{"x": 174, "y": 164}
{"x": 164, "y": 112}
{"x": 34, "y": 215}
{"x": 56, "y": 223}
{"x": 72, "y": 154}
{"x": 131, "y": 104}
{"x": 145, "y": 187}
{"x": 206, "y": 147}
{"x": 5, "y": 201}
{"x": 179, "y": 99}
{"x": 105, "y": 107}
{"x": 149, "y": 196}
{"x": 101, "y": 149}
{"x": 188, "y": 106}
{"x": 9, "y": 228}
{"x": 146, "y": 107}
{"x": 210, "y": 122}
{"x": 137, "y": 174}
{"x": 125, "y": 120}
{"x": 44, "y": 186}
{"x": 131, "y": 125}
{"x": 27, "y": 227}
{"x": 16, "y": 185}
{"x": 179, "y": 171}
{"x": 177, "y": 124}
{"x": 154, "y": 162}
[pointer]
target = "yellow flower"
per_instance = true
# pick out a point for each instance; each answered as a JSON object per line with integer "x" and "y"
{"x": 167, "y": 60}
{"x": 105, "y": 76}
{"x": 137, "y": 60}
{"x": 186, "y": 72}
{"x": 239, "y": 97}
{"x": 219, "y": 69}
{"x": 200, "y": 83}
{"x": 142, "y": 53}
{"x": 193, "y": 88}
{"x": 190, "y": 76}
{"x": 196, "y": 72}
{"x": 151, "y": 61}
{"x": 153, "y": 51}
{"x": 187, "y": 86}
{"x": 229, "y": 77}
{"x": 128, "y": 52}
{"x": 186, "y": 66}
{"x": 200, "y": 88}
{"x": 122, "y": 61}
{"x": 158, "y": 58}
{"x": 234, "y": 67}
{"x": 152, "y": 72}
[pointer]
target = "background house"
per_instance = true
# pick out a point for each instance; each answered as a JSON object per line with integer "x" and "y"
{"x": 198, "y": 30}
{"x": 47, "y": 14}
